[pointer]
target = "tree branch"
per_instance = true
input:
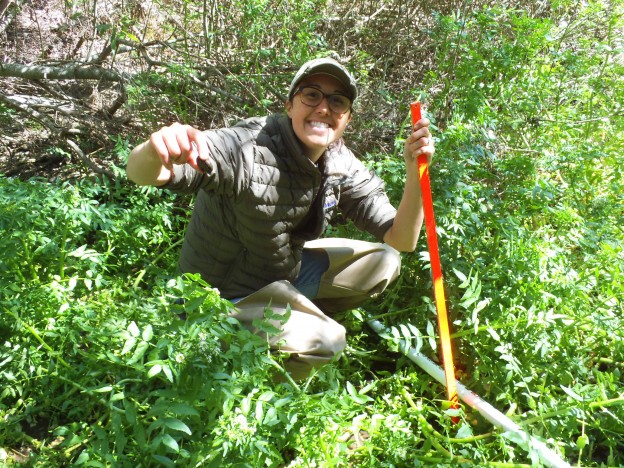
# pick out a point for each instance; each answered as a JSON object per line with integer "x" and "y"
{"x": 32, "y": 113}
{"x": 72, "y": 71}
{"x": 5, "y": 21}
{"x": 87, "y": 161}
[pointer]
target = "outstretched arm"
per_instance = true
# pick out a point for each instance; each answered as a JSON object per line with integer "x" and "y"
{"x": 404, "y": 232}
{"x": 151, "y": 162}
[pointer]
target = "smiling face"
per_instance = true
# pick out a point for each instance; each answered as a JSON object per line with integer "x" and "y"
{"x": 318, "y": 127}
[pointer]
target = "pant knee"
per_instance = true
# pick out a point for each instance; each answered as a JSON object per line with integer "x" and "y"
{"x": 334, "y": 339}
{"x": 391, "y": 259}
{"x": 327, "y": 341}
{"x": 382, "y": 268}
{"x": 321, "y": 346}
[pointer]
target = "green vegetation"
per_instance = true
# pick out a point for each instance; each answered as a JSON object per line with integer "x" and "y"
{"x": 98, "y": 368}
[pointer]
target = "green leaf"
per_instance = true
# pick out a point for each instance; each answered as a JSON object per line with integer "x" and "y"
{"x": 582, "y": 441}
{"x": 161, "y": 459}
{"x": 138, "y": 431}
{"x": 266, "y": 396}
{"x": 193, "y": 303}
{"x": 245, "y": 405}
{"x": 148, "y": 333}
{"x": 405, "y": 331}
{"x": 133, "y": 329}
{"x": 461, "y": 277}
{"x": 472, "y": 294}
{"x": 154, "y": 370}
{"x": 139, "y": 352}
{"x": 130, "y": 412}
{"x": 131, "y": 36}
{"x": 265, "y": 326}
{"x": 571, "y": 393}
{"x": 431, "y": 335}
{"x": 259, "y": 411}
{"x": 170, "y": 442}
{"x": 82, "y": 458}
{"x": 283, "y": 401}
{"x": 183, "y": 409}
{"x": 357, "y": 313}
{"x": 177, "y": 425}
{"x": 128, "y": 345}
{"x": 105, "y": 389}
{"x": 356, "y": 396}
{"x": 271, "y": 418}
{"x": 167, "y": 371}
{"x": 464, "y": 431}
{"x": 494, "y": 334}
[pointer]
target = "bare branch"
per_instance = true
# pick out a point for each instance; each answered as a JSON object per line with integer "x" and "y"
{"x": 72, "y": 71}
{"x": 87, "y": 161}
{"x": 6, "y": 20}
{"x": 4, "y": 6}
{"x": 120, "y": 101}
{"x": 31, "y": 113}
{"x": 43, "y": 103}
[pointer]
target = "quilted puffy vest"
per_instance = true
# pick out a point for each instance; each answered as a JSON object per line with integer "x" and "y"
{"x": 261, "y": 198}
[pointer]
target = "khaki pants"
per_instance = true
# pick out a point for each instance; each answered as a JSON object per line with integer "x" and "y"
{"x": 357, "y": 271}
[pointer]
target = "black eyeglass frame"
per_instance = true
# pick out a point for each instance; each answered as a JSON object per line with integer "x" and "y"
{"x": 325, "y": 96}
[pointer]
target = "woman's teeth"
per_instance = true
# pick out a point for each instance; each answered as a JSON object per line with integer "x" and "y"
{"x": 319, "y": 124}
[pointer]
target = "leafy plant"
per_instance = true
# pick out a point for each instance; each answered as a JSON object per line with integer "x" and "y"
{"x": 109, "y": 357}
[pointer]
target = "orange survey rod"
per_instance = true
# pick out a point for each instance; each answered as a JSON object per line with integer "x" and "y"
{"x": 436, "y": 268}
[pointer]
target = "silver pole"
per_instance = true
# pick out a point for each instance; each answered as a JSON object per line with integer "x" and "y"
{"x": 548, "y": 456}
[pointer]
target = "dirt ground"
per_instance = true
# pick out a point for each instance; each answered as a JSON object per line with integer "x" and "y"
{"x": 51, "y": 33}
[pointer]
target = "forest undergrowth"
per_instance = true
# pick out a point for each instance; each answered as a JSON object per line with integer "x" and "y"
{"x": 101, "y": 366}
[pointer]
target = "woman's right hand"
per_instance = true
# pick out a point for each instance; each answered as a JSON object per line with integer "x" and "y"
{"x": 179, "y": 144}
{"x": 151, "y": 162}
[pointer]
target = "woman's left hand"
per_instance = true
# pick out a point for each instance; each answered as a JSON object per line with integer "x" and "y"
{"x": 419, "y": 142}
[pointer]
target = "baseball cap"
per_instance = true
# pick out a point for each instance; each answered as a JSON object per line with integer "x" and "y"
{"x": 325, "y": 66}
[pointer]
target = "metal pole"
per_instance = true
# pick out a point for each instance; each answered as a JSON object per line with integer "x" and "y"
{"x": 546, "y": 455}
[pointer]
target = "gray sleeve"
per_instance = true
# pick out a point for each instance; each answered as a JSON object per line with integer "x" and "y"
{"x": 184, "y": 179}
{"x": 363, "y": 199}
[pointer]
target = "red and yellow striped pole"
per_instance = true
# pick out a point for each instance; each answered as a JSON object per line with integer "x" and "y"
{"x": 436, "y": 269}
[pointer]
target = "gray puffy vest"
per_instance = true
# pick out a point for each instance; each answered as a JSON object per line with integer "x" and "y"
{"x": 261, "y": 198}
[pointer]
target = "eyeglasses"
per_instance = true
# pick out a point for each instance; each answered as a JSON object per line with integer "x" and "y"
{"x": 310, "y": 96}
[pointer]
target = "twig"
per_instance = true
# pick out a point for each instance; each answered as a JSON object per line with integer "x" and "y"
{"x": 604, "y": 118}
{"x": 88, "y": 162}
